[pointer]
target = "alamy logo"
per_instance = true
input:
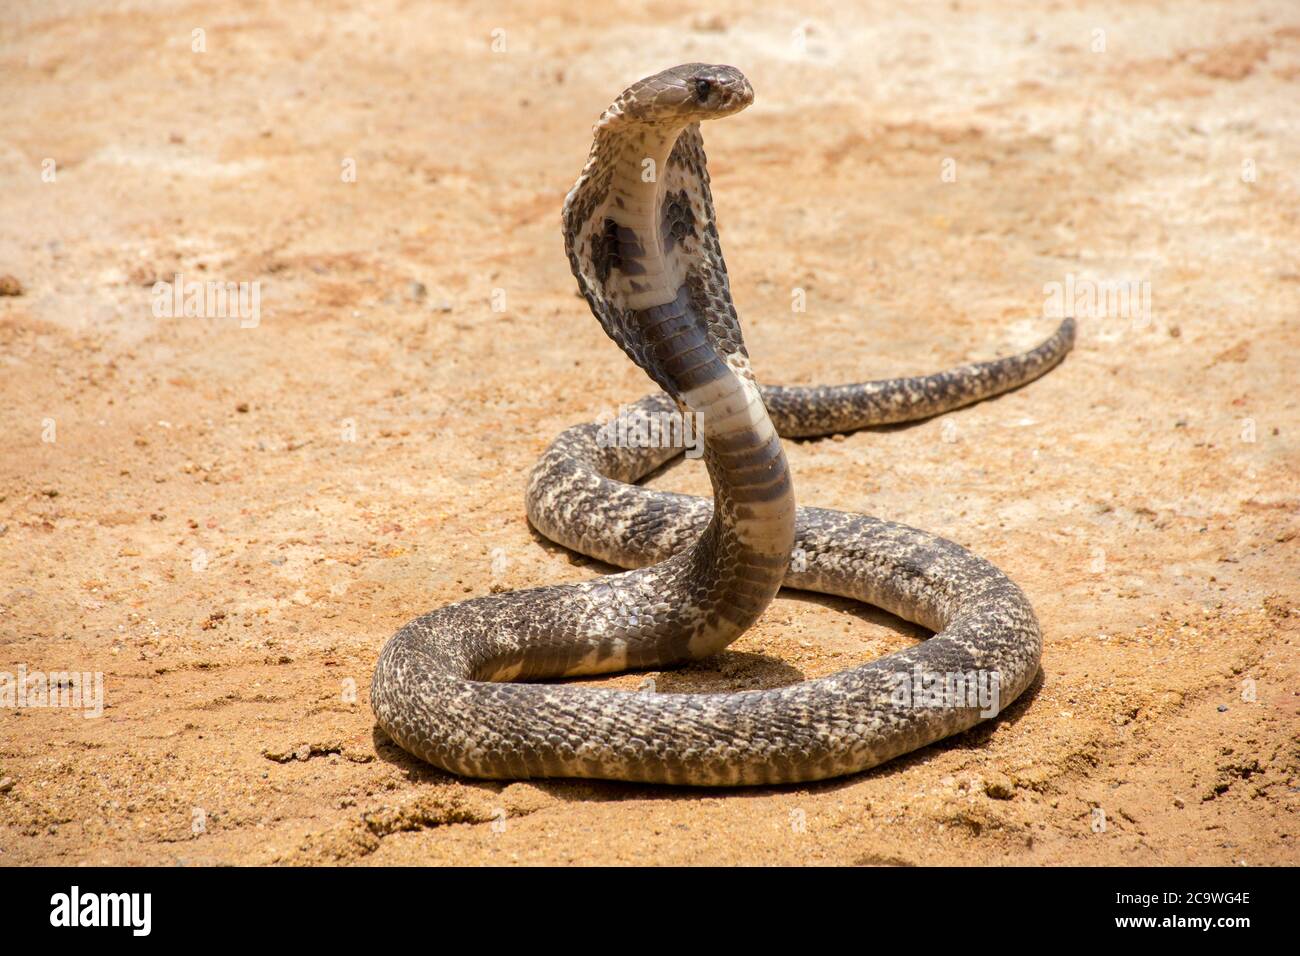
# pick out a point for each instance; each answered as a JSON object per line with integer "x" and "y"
{"x": 212, "y": 299}
{"x": 75, "y": 690}
{"x": 1104, "y": 299}
{"x": 103, "y": 909}
{"x": 952, "y": 689}
{"x": 633, "y": 428}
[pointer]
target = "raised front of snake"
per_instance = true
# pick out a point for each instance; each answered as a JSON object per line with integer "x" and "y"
{"x": 641, "y": 237}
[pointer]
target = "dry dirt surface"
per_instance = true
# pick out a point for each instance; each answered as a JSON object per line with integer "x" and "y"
{"x": 226, "y": 518}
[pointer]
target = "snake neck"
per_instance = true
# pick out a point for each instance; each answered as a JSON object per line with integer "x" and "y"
{"x": 746, "y": 549}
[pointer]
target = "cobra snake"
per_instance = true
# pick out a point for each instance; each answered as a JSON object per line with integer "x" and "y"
{"x": 451, "y": 687}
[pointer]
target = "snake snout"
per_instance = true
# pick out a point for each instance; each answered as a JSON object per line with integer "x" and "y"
{"x": 738, "y": 99}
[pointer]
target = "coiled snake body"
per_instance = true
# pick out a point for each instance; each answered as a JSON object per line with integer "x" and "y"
{"x": 646, "y": 256}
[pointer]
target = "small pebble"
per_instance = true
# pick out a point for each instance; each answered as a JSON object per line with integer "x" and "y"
{"x": 9, "y": 285}
{"x": 1223, "y": 708}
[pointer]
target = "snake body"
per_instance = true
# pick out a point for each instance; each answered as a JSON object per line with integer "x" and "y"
{"x": 452, "y": 686}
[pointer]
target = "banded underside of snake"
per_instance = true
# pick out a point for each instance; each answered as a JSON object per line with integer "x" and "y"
{"x": 457, "y": 686}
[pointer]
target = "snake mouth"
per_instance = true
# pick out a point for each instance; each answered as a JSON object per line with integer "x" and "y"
{"x": 736, "y": 100}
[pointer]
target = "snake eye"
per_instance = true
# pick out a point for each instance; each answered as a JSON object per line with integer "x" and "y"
{"x": 702, "y": 90}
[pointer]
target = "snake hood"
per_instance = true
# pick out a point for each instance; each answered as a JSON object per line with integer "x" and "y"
{"x": 639, "y": 223}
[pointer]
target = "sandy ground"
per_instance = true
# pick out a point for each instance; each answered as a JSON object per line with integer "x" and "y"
{"x": 227, "y": 522}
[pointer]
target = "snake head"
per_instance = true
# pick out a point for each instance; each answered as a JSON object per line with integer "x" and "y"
{"x": 683, "y": 95}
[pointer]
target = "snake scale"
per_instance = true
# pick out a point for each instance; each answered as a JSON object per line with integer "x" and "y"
{"x": 452, "y": 687}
